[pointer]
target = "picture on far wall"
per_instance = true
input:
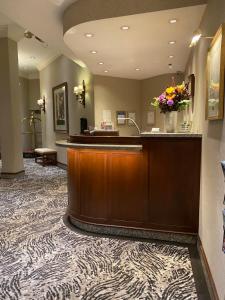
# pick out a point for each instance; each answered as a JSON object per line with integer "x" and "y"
{"x": 215, "y": 76}
{"x": 60, "y": 107}
{"x": 120, "y": 114}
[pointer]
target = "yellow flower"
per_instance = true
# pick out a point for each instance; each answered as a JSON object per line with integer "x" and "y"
{"x": 180, "y": 88}
{"x": 170, "y": 90}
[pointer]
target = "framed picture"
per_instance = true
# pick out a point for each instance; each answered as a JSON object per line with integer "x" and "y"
{"x": 120, "y": 114}
{"x": 60, "y": 107}
{"x": 191, "y": 87}
{"x": 131, "y": 115}
{"x": 215, "y": 76}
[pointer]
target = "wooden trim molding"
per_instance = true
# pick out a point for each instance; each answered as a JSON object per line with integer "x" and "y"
{"x": 207, "y": 271}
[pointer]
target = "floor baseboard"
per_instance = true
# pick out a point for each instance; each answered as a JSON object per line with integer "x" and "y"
{"x": 207, "y": 271}
{"x": 62, "y": 166}
{"x": 5, "y": 175}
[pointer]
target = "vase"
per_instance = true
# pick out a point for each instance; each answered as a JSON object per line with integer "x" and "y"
{"x": 170, "y": 124}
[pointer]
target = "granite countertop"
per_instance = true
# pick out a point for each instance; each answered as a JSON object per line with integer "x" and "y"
{"x": 164, "y": 134}
{"x": 64, "y": 143}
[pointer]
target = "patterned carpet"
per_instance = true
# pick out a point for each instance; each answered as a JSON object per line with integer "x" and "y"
{"x": 40, "y": 258}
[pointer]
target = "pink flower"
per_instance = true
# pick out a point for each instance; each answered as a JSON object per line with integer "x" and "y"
{"x": 162, "y": 97}
{"x": 170, "y": 102}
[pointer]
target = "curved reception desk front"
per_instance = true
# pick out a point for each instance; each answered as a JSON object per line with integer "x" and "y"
{"x": 149, "y": 182}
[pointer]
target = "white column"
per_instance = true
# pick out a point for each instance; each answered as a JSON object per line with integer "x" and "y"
{"x": 10, "y": 109}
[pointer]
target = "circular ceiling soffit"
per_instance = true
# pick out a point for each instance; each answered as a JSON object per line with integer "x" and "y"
{"x": 83, "y": 11}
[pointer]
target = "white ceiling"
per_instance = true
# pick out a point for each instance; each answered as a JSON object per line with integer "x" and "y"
{"x": 144, "y": 46}
{"x": 32, "y": 55}
{"x": 44, "y": 19}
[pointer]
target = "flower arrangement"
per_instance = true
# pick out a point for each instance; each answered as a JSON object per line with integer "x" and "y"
{"x": 174, "y": 98}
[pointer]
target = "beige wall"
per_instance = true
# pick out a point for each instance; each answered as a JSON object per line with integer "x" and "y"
{"x": 34, "y": 93}
{"x": 29, "y": 94}
{"x": 117, "y": 94}
{"x": 59, "y": 71}
{"x": 23, "y": 89}
{"x": 212, "y": 182}
{"x": 151, "y": 88}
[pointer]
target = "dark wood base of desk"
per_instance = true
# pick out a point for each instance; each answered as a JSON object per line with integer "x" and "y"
{"x": 156, "y": 188}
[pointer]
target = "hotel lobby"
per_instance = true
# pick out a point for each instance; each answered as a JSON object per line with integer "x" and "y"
{"x": 112, "y": 149}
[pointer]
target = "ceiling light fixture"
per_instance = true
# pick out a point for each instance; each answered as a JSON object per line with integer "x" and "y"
{"x": 94, "y": 52}
{"x": 89, "y": 35}
{"x": 137, "y": 69}
{"x": 172, "y": 42}
{"x": 124, "y": 27}
{"x": 101, "y": 63}
{"x": 171, "y": 56}
{"x": 106, "y": 71}
{"x": 173, "y": 21}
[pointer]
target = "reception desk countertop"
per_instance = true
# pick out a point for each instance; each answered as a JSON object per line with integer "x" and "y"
{"x": 64, "y": 143}
{"x": 163, "y": 134}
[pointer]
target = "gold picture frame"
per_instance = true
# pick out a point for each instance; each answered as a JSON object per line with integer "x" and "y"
{"x": 60, "y": 108}
{"x": 215, "y": 77}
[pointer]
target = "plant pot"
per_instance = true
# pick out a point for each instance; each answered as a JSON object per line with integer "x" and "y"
{"x": 170, "y": 123}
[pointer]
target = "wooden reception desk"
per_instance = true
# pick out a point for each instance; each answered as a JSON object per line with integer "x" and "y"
{"x": 150, "y": 182}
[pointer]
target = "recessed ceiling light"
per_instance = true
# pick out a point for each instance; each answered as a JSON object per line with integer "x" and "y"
{"x": 106, "y": 71}
{"x": 89, "y": 35}
{"x": 172, "y": 42}
{"x": 101, "y": 63}
{"x": 137, "y": 69}
{"x": 124, "y": 27}
{"x": 173, "y": 21}
{"x": 171, "y": 56}
{"x": 94, "y": 52}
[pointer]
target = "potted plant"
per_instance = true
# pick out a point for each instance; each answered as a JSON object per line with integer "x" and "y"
{"x": 172, "y": 100}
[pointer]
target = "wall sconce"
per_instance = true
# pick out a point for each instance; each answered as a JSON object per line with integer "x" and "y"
{"x": 80, "y": 92}
{"x": 41, "y": 103}
{"x": 197, "y": 35}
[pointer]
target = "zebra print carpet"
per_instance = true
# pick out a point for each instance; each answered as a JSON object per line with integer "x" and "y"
{"x": 42, "y": 259}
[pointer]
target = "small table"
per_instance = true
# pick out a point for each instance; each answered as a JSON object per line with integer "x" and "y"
{"x": 46, "y": 156}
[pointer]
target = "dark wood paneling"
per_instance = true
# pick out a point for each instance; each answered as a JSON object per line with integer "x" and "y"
{"x": 93, "y": 184}
{"x": 157, "y": 188}
{"x": 127, "y": 189}
{"x": 174, "y": 185}
{"x": 73, "y": 182}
